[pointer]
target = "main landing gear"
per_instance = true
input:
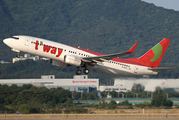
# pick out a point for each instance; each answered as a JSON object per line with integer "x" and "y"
{"x": 85, "y": 71}
{"x": 78, "y": 71}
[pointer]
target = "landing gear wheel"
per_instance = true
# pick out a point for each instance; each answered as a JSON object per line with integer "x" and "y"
{"x": 17, "y": 56}
{"x": 78, "y": 71}
{"x": 85, "y": 71}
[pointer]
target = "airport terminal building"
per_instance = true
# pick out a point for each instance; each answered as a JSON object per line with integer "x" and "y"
{"x": 125, "y": 84}
{"x": 78, "y": 83}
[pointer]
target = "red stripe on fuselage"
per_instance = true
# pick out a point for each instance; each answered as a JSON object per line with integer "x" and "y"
{"x": 114, "y": 59}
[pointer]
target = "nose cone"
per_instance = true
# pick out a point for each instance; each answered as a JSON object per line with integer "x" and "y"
{"x": 7, "y": 41}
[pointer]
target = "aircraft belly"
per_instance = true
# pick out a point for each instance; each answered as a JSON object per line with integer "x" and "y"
{"x": 141, "y": 70}
{"x": 132, "y": 71}
{"x": 111, "y": 70}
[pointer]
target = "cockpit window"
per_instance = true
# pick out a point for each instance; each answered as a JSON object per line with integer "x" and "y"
{"x": 16, "y": 38}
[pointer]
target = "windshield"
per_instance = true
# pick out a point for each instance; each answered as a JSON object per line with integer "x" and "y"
{"x": 15, "y": 38}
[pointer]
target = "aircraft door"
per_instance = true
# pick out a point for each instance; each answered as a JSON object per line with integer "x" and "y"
{"x": 27, "y": 40}
{"x": 136, "y": 69}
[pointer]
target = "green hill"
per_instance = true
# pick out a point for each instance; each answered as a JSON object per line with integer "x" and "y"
{"x": 106, "y": 26}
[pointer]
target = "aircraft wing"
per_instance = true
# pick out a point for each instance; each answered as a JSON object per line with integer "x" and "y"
{"x": 161, "y": 69}
{"x": 106, "y": 58}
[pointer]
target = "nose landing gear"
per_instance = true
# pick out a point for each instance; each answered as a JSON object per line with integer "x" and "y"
{"x": 18, "y": 55}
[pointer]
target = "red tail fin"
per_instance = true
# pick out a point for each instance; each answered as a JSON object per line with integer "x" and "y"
{"x": 154, "y": 56}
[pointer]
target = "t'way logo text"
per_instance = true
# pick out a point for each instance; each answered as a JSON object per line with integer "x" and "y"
{"x": 47, "y": 48}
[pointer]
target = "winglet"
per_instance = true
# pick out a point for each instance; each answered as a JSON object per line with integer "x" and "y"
{"x": 131, "y": 50}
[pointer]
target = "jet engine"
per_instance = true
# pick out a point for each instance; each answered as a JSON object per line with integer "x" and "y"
{"x": 58, "y": 63}
{"x": 72, "y": 60}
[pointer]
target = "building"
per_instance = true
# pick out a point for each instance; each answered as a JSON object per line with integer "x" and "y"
{"x": 26, "y": 56}
{"x": 78, "y": 83}
{"x": 124, "y": 84}
{"x": 111, "y": 88}
{"x": 150, "y": 84}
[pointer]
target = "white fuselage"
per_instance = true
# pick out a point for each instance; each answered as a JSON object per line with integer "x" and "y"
{"x": 57, "y": 51}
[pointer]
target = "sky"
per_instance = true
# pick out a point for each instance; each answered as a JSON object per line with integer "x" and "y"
{"x": 168, "y": 4}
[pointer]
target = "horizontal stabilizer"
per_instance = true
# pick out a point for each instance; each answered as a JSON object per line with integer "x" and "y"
{"x": 161, "y": 69}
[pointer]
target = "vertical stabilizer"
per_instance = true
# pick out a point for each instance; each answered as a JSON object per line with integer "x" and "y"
{"x": 154, "y": 56}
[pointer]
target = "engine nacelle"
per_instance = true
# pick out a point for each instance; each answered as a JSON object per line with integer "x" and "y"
{"x": 72, "y": 60}
{"x": 58, "y": 63}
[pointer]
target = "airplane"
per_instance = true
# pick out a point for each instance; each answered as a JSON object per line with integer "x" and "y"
{"x": 64, "y": 55}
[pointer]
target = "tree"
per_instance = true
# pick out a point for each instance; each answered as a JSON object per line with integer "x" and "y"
{"x": 61, "y": 95}
{"x": 161, "y": 99}
{"x": 68, "y": 102}
{"x": 169, "y": 103}
{"x": 26, "y": 86}
{"x": 24, "y": 108}
{"x": 24, "y": 96}
{"x": 112, "y": 104}
{"x": 126, "y": 103}
{"x": 114, "y": 94}
{"x": 158, "y": 100}
{"x": 138, "y": 88}
{"x": 158, "y": 90}
{"x": 102, "y": 104}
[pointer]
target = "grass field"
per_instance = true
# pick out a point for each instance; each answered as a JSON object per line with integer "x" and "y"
{"x": 103, "y": 114}
{"x": 92, "y": 116}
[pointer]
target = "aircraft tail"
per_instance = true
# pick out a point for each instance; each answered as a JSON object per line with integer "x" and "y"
{"x": 154, "y": 56}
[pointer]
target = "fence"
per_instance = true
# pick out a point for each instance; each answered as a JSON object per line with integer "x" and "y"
{"x": 83, "y": 116}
